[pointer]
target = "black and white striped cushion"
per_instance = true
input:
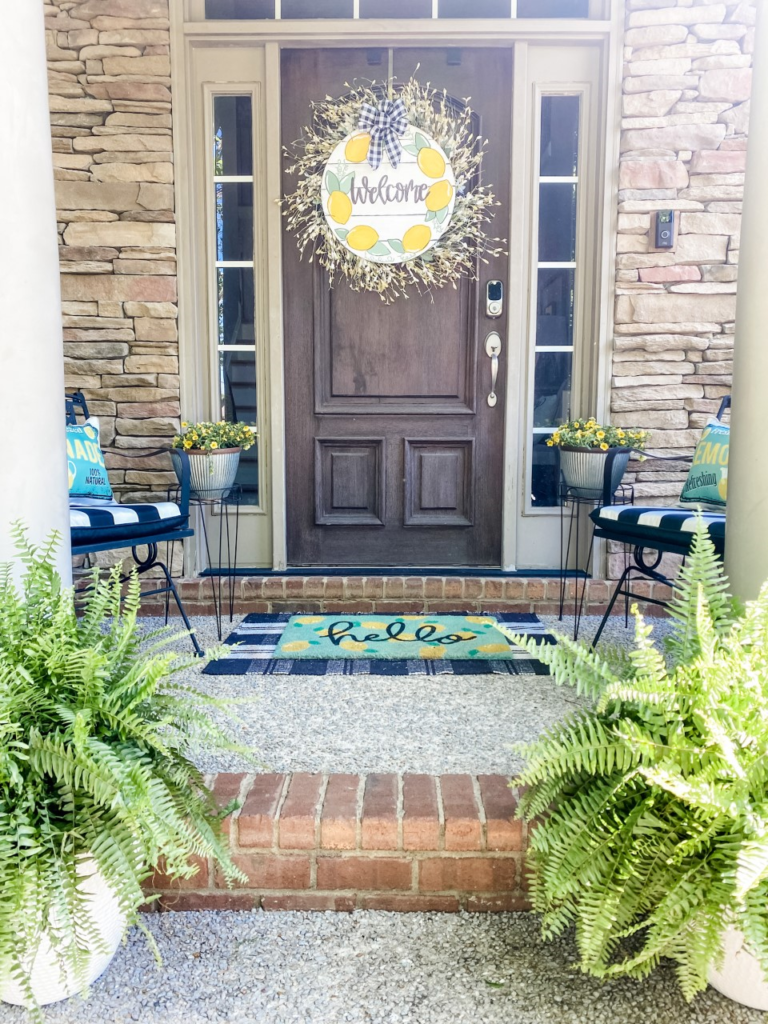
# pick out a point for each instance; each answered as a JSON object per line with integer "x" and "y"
{"x": 100, "y": 521}
{"x": 673, "y": 526}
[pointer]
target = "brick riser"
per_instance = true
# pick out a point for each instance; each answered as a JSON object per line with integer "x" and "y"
{"x": 399, "y": 595}
{"x": 379, "y": 842}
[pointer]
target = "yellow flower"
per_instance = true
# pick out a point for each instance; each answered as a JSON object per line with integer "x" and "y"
{"x": 600, "y": 435}
{"x": 620, "y": 433}
{"x": 214, "y": 445}
{"x": 187, "y": 444}
{"x": 184, "y": 424}
{"x": 604, "y": 447}
{"x": 576, "y": 423}
{"x": 550, "y": 442}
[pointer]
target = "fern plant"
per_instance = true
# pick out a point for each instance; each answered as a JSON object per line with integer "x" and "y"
{"x": 652, "y": 806}
{"x": 95, "y": 741}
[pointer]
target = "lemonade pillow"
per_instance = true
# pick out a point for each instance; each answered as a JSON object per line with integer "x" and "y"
{"x": 707, "y": 483}
{"x": 85, "y": 462}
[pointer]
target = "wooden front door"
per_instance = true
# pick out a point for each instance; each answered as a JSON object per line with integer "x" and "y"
{"x": 393, "y": 455}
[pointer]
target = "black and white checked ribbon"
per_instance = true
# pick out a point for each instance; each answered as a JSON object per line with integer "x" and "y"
{"x": 385, "y": 124}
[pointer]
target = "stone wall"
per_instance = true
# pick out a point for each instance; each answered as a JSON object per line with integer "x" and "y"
{"x": 687, "y": 79}
{"x": 110, "y": 100}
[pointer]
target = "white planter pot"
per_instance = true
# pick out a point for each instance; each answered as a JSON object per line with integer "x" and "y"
{"x": 49, "y": 984}
{"x": 741, "y": 978}
{"x": 212, "y": 474}
{"x": 583, "y": 470}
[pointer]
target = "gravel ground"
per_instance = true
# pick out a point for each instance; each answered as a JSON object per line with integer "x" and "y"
{"x": 359, "y": 724}
{"x": 369, "y": 968}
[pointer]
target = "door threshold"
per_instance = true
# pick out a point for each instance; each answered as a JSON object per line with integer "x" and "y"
{"x": 461, "y": 572}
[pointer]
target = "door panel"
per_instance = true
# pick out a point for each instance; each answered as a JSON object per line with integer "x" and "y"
{"x": 394, "y": 456}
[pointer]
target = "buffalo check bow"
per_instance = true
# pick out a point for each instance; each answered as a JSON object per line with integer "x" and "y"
{"x": 385, "y": 123}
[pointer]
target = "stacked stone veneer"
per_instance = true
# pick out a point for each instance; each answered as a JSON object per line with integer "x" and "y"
{"x": 111, "y": 123}
{"x": 687, "y": 80}
{"x": 683, "y": 146}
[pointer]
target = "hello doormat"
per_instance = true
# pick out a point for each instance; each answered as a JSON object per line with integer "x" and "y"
{"x": 380, "y": 645}
{"x": 392, "y": 636}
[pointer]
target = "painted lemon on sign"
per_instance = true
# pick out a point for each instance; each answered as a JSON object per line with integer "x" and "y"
{"x": 362, "y": 237}
{"x": 431, "y": 162}
{"x": 356, "y": 150}
{"x": 339, "y": 207}
{"x": 439, "y": 196}
{"x": 416, "y": 238}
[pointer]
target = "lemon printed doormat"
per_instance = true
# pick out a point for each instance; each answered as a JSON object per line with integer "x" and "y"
{"x": 393, "y": 637}
{"x": 260, "y": 645}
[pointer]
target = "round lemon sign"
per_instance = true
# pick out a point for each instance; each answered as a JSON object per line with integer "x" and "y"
{"x": 390, "y": 214}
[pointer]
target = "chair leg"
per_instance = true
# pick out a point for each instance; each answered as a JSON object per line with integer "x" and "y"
{"x": 618, "y": 590}
{"x": 172, "y": 590}
{"x": 143, "y": 565}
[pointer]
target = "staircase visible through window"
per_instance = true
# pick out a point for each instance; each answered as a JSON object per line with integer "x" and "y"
{"x": 234, "y": 270}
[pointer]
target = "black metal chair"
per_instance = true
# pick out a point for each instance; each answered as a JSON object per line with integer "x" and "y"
{"x": 107, "y": 525}
{"x": 657, "y": 528}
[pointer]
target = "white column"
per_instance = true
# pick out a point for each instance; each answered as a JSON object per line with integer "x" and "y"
{"x": 746, "y": 543}
{"x": 33, "y": 473}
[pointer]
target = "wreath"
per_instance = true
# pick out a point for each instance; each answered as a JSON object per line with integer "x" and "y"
{"x": 375, "y": 129}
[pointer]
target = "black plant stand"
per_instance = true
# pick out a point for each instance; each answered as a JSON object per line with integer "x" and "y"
{"x": 224, "y": 502}
{"x": 624, "y": 495}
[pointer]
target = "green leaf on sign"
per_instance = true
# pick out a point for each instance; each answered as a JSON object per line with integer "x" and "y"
{"x": 380, "y": 249}
{"x": 441, "y": 215}
{"x": 413, "y": 150}
{"x": 346, "y": 182}
{"x": 332, "y": 182}
{"x": 342, "y": 233}
{"x": 421, "y": 142}
{"x": 396, "y": 245}
{"x": 431, "y": 216}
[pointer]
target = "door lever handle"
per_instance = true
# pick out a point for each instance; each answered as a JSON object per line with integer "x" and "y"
{"x": 493, "y": 351}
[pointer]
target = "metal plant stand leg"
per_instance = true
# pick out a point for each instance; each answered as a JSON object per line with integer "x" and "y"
{"x": 221, "y": 503}
{"x": 624, "y": 495}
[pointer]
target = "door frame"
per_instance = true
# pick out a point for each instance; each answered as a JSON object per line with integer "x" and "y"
{"x": 189, "y": 31}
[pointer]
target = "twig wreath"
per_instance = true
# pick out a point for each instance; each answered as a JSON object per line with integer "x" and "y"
{"x": 416, "y": 152}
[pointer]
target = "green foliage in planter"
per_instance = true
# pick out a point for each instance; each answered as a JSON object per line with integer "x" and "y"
{"x": 95, "y": 737}
{"x": 653, "y": 804}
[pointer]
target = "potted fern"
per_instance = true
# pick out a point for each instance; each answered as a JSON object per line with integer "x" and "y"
{"x": 97, "y": 788}
{"x": 652, "y": 805}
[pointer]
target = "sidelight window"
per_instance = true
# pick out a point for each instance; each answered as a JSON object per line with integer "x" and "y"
{"x": 555, "y": 283}
{"x": 233, "y": 271}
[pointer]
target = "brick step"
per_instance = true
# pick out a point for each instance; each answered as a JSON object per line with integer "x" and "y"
{"x": 378, "y": 842}
{"x": 397, "y": 595}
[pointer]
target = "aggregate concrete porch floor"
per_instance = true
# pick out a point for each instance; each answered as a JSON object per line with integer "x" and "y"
{"x": 364, "y": 724}
{"x": 369, "y": 967}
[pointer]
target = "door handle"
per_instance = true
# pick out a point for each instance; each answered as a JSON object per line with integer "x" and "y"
{"x": 493, "y": 351}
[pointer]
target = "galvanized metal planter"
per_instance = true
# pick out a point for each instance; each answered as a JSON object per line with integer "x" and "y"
{"x": 213, "y": 473}
{"x": 583, "y": 470}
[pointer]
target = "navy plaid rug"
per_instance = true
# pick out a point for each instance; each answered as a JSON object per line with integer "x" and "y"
{"x": 253, "y": 645}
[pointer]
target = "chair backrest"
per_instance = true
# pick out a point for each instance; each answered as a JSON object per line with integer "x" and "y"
{"x": 72, "y": 403}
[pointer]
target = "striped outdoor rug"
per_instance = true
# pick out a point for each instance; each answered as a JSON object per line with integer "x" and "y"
{"x": 254, "y": 641}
